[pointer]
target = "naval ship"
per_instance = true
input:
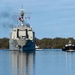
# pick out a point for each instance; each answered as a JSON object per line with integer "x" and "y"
{"x": 22, "y": 37}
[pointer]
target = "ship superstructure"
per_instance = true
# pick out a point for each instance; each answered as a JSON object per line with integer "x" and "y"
{"x": 22, "y": 37}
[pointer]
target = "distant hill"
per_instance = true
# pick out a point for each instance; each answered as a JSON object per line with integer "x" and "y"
{"x": 42, "y": 43}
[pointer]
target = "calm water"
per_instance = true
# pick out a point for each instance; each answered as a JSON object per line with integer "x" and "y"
{"x": 41, "y": 62}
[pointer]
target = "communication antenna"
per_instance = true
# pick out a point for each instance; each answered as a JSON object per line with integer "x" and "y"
{"x": 22, "y": 15}
{"x": 22, "y": 9}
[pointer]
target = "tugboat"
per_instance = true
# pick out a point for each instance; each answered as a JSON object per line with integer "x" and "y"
{"x": 69, "y": 47}
{"x": 22, "y": 37}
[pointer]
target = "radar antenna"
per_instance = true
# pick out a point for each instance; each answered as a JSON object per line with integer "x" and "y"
{"x": 22, "y": 15}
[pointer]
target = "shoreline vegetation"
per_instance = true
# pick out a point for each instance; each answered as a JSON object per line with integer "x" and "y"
{"x": 45, "y": 43}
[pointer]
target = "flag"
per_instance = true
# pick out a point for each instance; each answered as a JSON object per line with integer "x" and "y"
{"x": 20, "y": 19}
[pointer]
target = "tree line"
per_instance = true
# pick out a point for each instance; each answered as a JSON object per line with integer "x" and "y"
{"x": 53, "y": 42}
{"x": 4, "y": 43}
{"x": 42, "y": 43}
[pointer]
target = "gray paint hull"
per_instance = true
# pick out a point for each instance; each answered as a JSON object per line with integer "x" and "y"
{"x": 21, "y": 45}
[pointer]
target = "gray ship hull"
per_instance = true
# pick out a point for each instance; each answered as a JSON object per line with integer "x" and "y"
{"x": 21, "y": 45}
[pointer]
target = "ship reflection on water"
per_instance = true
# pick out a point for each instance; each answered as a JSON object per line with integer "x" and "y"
{"x": 42, "y": 62}
{"x": 22, "y": 63}
{"x": 69, "y": 63}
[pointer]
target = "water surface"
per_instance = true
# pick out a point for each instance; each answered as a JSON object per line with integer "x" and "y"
{"x": 40, "y": 62}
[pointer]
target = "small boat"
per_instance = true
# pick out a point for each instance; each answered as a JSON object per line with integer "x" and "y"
{"x": 37, "y": 47}
{"x": 69, "y": 47}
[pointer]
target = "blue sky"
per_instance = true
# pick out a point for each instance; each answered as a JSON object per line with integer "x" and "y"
{"x": 49, "y": 18}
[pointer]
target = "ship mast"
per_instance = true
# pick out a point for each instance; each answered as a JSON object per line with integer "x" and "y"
{"x": 22, "y": 16}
